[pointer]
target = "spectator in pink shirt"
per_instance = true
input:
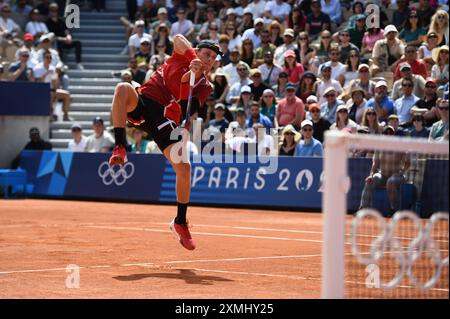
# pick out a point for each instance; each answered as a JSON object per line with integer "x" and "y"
{"x": 370, "y": 37}
{"x": 291, "y": 109}
{"x": 292, "y": 67}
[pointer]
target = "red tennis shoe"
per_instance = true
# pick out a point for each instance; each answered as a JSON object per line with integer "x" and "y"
{"x": 119, "y": 156}
{"x": 181, "y": 232}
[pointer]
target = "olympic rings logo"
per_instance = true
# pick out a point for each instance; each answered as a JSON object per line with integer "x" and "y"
{"x": 386, "y": 242}
{"x": 117, "y": 174}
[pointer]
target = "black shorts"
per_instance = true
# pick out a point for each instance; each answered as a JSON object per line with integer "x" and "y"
{"x": 149, "y": 116}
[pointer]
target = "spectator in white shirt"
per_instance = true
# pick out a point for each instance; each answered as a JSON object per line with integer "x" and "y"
{"x": 28, "y": 44}
{"x": 257, "y": 7}
{"x": 6, "y": 23}
{"x": 333, "y": 9}
{"x": 22, "y": 7}
{"x": 134, "y": 42}
{"x": 254, "y": 33}
{"x": 101, "y": 141}
{"x": 337, "y": 68}
{"x": 288, "y": 38}
{"x": 231, "y": 68}
{"x": 240, "y": 10}
{"x": 46, "y": 45}
{"x": 78, "y": 142}
{"x": 34, "y": 26}
{"x": 45, "y": 72}
{"x": 182, "y": 26}
{"x": 277, "y": 10}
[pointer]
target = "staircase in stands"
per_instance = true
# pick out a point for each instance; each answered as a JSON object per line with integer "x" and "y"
{"x": 103, "y": 38}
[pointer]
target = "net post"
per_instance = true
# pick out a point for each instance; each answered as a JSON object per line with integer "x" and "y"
{"x": 334, "y": 203}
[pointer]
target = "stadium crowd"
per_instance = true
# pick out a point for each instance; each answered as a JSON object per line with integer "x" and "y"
{"x": 300, "y": 67}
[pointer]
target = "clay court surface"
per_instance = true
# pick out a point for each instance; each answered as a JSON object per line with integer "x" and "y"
{"x": 128, "y": 251}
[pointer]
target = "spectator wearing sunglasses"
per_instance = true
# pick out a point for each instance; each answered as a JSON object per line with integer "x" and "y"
{"x": 439, "y": 24}
{"x": 320, "y": 125}
{"x": 20, "y": 71}
{"x": 134, "y": 41}
{"x": 406, "y": 73}
{"x": 308, "y": 146}
{"x": 403, "y": 105}
{"x": 417, "y": 66}
{"x": 427, "y": 104}
{"x": 425, "y": 12}
{"x": 370, "y": 122}
{"x": 439, "y": 130}
{"x": 337, "y": 68}
{"x": 413, "y": 32}
{"x": 290, "y": 140}
{"x": 317, "y": 21}
{"x": 345, "y": 46}
{"x": 419, "y": 130}
{"x": 326, "y": 82}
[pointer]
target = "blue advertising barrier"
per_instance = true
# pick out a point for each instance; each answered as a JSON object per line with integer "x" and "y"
{"x": 296, "y": 184}
{"x": 24, "y": 98}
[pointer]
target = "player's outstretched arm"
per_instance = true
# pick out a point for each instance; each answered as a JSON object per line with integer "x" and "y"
{"x": 181, "y": 44}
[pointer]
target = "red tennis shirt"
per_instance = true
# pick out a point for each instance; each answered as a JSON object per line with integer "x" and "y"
{"x": 164, "y": 84}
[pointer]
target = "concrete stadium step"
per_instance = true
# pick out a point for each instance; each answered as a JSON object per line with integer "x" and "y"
{"x": 89, "y": 116}
{"x": 115, "y": 28}
{"x": 113, "y": 22}
{"x": 85, "y": 125}
{"x": 107, "y": 13}
{"x": 100, "y": 65}
{"x": 60, "y": 144}
{"x": 94, "y": 81}
{"x": 83, "y": 89}
{"x": 67, "y": 134}
{"x": 116, "y": 58}
{"x": 104, "y": 43}
{"x": 86, "y": 35}
{"x": 90, "y": 107}
{"x": 100, "y": 73}
{"x": 91, "y": 98}
{"x": 104, "y": 50}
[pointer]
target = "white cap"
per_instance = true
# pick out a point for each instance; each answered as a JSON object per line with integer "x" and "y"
{"x": 144, "y": 39}
{"x": 311, "y": 99}
{"x": 390, "y": 28}
{"x": 246, "y": 88}
{"x": 162, "y": 10}
{"x": 341, "y": 107}
{"x": 47, "y": 36}
{"x": 231, "y": 11}
{"x": 363, "y": 65}
{"x": 381, "y": 83}
{"x": 307, "y": 122}
{"x": 258, "y": 20}
{"x": 328, "y": 90}
{"x": 248, "y": 10}
{"x": 139, "y": 22}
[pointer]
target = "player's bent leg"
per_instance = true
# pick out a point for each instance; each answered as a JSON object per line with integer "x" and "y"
{"x": 179, "y": 225}
{"x": 125, "y": 100}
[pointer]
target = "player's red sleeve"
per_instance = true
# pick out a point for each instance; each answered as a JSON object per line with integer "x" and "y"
{"x": 190, "y": 54}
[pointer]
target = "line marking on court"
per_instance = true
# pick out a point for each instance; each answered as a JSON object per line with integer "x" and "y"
{"x": 215, "y": 234}
{"x": 206, "y": 234}
{"x": 210, "y": 226}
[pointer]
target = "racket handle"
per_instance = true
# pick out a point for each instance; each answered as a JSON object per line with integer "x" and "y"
{"x": 192, "y": 79}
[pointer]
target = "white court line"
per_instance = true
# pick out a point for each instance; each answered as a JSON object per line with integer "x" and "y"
{"x": 207, "y": 234}
{"x": 216, "y": 226}
{"x": 216, "y": 234}
{"x": 240, "y": 259}
{"x": 146, "y": 264}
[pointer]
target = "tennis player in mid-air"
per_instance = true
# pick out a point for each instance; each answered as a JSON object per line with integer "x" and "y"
{"x": 158, "y": 107}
